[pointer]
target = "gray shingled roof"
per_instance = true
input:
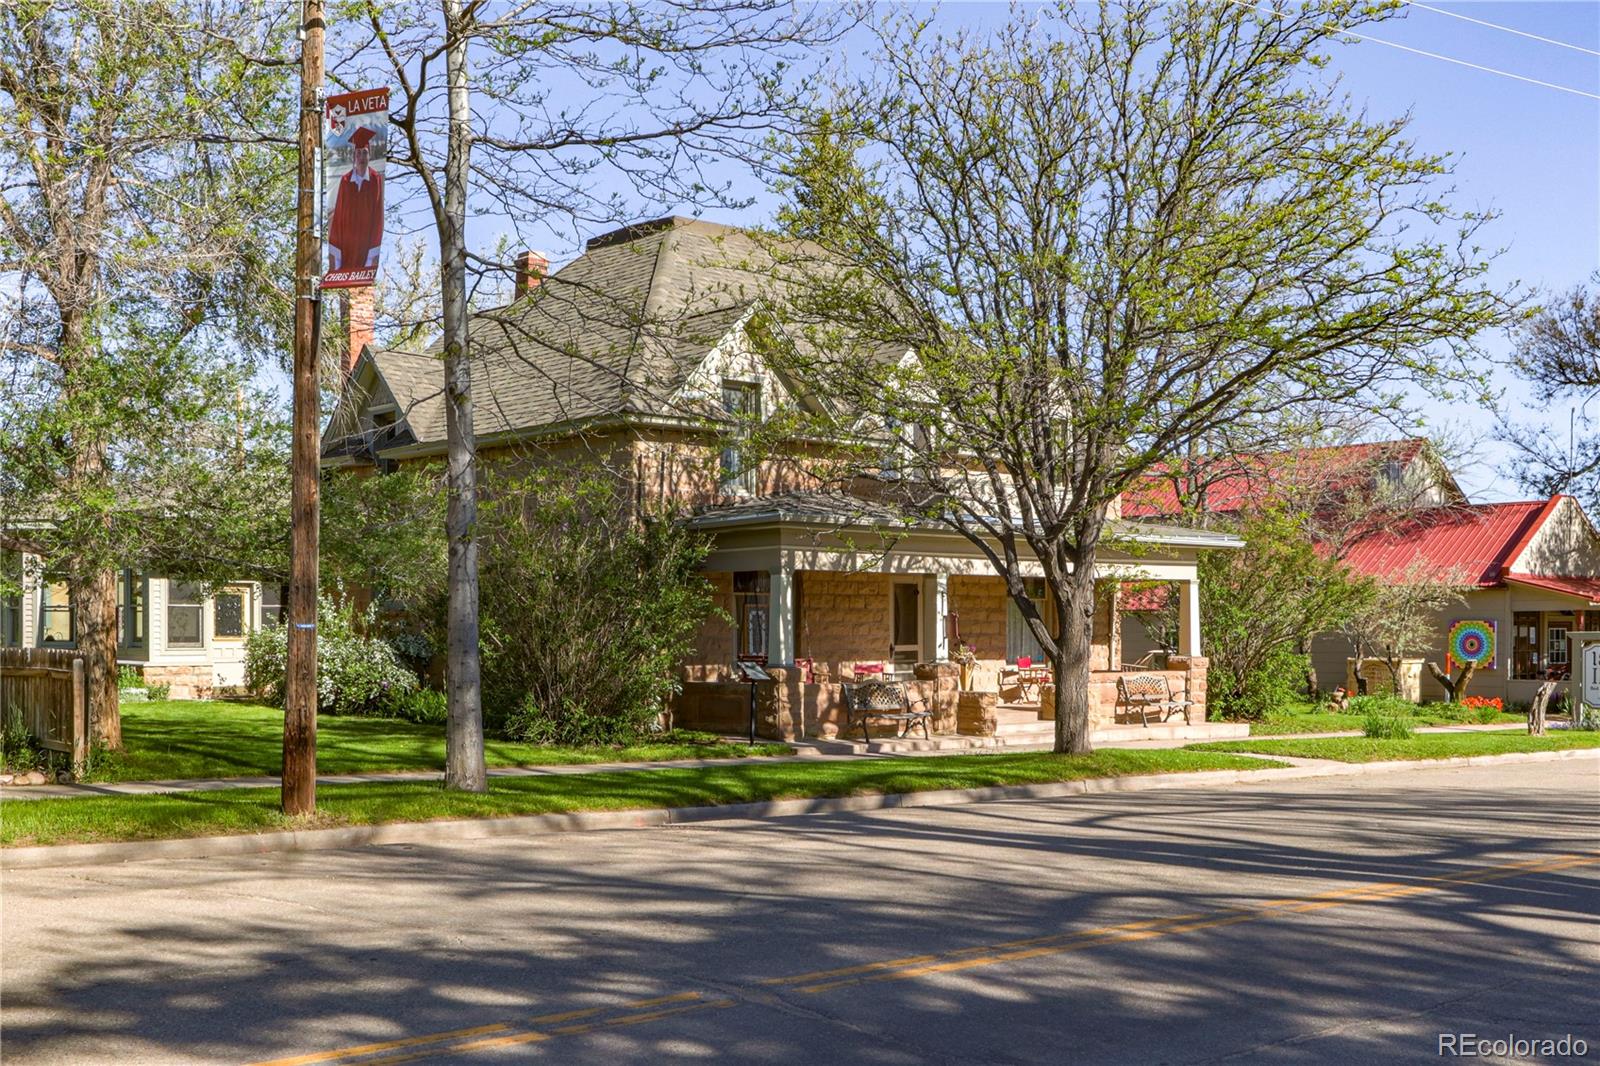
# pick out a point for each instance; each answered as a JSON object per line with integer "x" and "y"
{"x": 616, "y": 331}
{"x": 836, "y": 508}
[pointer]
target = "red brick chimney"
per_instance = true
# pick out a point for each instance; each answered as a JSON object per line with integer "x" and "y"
{"x": 358, "y": 321}
{"x": 531, "y": 269}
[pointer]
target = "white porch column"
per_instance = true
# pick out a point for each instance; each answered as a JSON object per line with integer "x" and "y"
{"x": 1189, "y": 618}
{"x": 780, "y": 617}
{"x": 936, "y": 594}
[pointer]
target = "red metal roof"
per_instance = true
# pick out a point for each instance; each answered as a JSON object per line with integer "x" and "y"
{"x": 1475, "y": 542}
{"x": 1586, "y": 587}
{"x": 1235, "y": 482}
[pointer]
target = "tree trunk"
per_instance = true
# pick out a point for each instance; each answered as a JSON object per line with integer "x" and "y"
{"x": 1071, "y": 664}
{"x": 94, "y": 598}
{"x": 1360, "y": 675}
{"x": 1454, "y": 688}
{"x": 464, "y": 762}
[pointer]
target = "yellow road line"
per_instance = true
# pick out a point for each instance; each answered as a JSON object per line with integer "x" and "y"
{"x": 534, "y": 1036}
{"x": 456, "y": 1034}
{"x": 953, "y": 961}
{"x": 387, "y": 1045}
{"x": 510, "y": 1033}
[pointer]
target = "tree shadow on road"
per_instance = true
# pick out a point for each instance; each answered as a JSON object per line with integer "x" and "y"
{"x": 237, "y": 960}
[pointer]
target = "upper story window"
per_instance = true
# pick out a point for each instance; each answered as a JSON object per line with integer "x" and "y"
{"x": 185, "y": 615}
{"x": 58, "y": 617}
{"x": 741, "y": 403}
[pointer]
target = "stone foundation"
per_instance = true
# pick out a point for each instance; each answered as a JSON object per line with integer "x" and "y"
{"x": 188, "y": 682}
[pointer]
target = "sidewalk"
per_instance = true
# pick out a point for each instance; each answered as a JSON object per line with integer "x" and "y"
{"x": 803, "y": 749}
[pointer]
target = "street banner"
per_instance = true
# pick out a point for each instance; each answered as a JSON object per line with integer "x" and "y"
{"x": 353, "y": 153}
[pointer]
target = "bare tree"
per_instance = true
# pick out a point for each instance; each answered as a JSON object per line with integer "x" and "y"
{"x": 1083, "y": 244}
{"x": 1402, "y": 619}
{"x": 545, "y": 115}
{"x": 1558, "y": 353}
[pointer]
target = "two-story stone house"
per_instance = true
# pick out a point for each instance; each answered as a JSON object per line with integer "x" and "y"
{"x": 637, "y": 354}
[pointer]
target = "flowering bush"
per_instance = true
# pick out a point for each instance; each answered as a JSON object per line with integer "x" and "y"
{"x": 356, "y": 674}
{"x": 1484, "y": 701}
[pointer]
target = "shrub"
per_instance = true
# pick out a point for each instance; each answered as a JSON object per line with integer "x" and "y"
{"x": 356, "y": 674}
{"x": 1495, "y": 703}
{"x": 159, "y": 692}
{"x": 1386, "y": 727}
{"x": 1383, "y": 703}
{"x": 425, "y": 706}
{"x": 129, "y": 677}
{"x": 586, "y": 613}
{"x": 1263, "y": 691}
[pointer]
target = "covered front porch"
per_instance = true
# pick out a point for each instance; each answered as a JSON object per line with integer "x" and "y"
{"x": 822, "y": 600}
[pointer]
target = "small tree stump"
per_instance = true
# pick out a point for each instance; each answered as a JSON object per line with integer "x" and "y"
{"x": 1536, "y": 712}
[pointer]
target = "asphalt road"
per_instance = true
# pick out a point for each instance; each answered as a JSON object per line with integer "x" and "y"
{"x": 1346, "y": 920}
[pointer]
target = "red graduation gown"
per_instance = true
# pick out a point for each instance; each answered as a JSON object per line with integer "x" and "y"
{"x": 357, "y": 226}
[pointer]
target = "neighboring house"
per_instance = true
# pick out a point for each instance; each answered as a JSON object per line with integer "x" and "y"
{"x": 1533, "y": 567}
{"x": 638, "y": 354}
{"x": 171, "y": 631}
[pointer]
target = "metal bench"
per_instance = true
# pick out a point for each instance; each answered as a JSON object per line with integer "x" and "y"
{"x": 885, "y": 700}
{"x": 1148, "y": 694}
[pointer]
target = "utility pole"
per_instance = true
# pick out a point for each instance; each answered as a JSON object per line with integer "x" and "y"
{"x": 300, "y": 689}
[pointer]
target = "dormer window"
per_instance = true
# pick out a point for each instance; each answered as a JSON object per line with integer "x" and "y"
{"x": 741, "y": 405}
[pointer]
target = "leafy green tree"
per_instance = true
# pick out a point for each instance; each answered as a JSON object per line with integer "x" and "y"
{"x": 1105, "y": 235}
{"x": 1261, "y": 605}
{"x": 142, "y": 239}
{"x": 547, "y": 115}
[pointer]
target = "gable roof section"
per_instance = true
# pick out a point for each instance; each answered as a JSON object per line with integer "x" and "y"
{"x": 1474, "y": 541}
{"x": 1236, "y": 482}
{"x": 615, "y": 332}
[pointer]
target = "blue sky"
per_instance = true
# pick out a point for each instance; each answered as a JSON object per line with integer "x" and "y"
{"x": 1530, "y": 152}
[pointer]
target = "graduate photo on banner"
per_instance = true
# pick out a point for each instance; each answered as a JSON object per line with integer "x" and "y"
{"x": 353, "y": 152}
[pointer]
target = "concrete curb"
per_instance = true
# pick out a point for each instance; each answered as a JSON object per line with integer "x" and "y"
{"x": 443, "y": 832}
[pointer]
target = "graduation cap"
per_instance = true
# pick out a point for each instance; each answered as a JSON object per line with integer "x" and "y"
{"x": 361, "y": 136}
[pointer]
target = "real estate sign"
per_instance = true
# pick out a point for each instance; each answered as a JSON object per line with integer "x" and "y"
{"x": 354, "y": 148}
{"x": 1586, "y": 679}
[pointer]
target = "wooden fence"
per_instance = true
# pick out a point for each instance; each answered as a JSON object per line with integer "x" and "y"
{"x": 46, "y": 686}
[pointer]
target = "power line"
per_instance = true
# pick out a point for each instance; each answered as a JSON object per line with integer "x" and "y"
{"x": 1436, "y": 55}
{"x": 1507, "y": 29}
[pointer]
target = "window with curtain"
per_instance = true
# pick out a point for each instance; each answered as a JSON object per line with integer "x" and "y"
{"x": 752, "y": 599}
{"x": 741, "y": 403}
{"x": 58, "y": 618}
{"x": 1020, "y": 640}
{"x": 185, "y": 615}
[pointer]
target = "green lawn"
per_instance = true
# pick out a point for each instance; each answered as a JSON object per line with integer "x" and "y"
{"x": 253, "y": 810}
{"x": 1331, "y": 722}
{"x": 1427, "y": 746}
{"x": 217, "y": 738}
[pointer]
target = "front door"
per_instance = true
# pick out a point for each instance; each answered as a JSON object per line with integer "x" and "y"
{"x": 906, "y": 620}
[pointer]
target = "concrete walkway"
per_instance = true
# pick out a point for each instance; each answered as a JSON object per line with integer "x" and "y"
{"x": 802, "y": 749}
